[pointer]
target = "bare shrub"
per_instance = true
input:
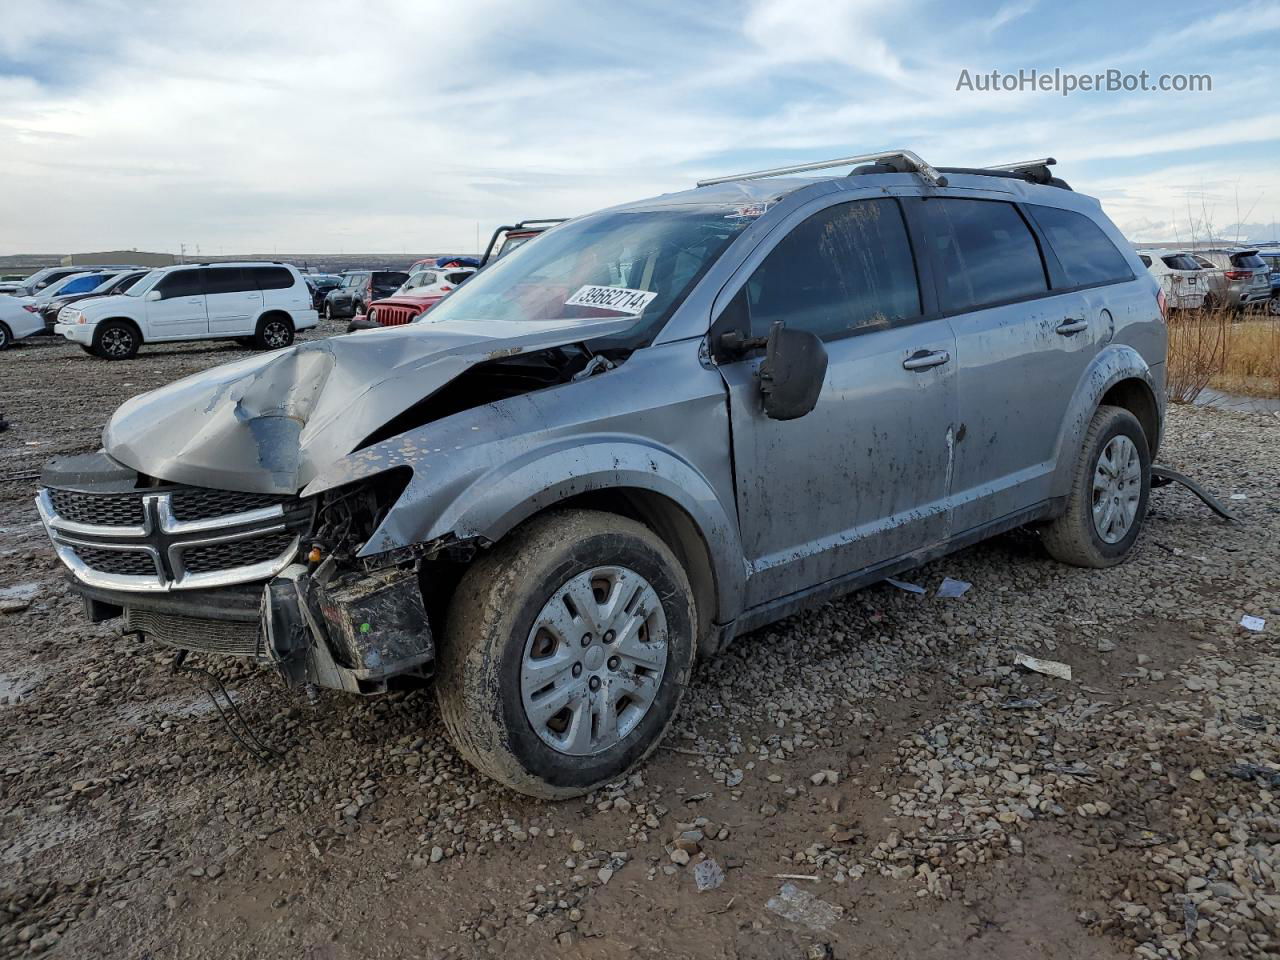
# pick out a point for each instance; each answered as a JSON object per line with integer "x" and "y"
{"x": 1198, "y": 349}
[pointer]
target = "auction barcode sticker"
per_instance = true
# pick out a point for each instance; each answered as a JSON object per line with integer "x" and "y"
{"x": 621, "y": 299}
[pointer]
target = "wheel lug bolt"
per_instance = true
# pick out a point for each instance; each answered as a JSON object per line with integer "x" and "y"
{"x": 594, "y": 683}
{"x": 586, "y": 639}
{"x": 577, "y": 669}
{"x": 609, "y": 636}
{"x": 613, "y": 663}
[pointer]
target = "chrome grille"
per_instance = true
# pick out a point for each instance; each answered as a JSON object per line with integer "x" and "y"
{"x": 99, "y": 509}
{"x": 228, "y": 637}
{"x": 173, "y": 538}
{"x": 128, "y": 563}
{"x": 235, "y": 553}
{"x": 196, "y": 503}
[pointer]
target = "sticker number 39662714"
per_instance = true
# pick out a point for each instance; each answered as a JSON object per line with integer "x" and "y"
{"x": 621, "y": 299}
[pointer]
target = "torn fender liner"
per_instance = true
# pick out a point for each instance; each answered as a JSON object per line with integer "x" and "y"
{"x": 272, "y": 422}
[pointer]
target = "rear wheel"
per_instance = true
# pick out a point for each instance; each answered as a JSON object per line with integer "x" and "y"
{"x": 1109, "y": 492}
{"x": 273, "y": 333}
{"x": 116, "y": 340}
{"x": 566, "y": 653}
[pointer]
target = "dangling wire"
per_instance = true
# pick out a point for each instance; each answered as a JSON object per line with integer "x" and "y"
{"x": 256, "y": 747}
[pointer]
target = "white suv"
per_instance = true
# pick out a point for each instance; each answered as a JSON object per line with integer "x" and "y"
{"x": 256, "y": 304}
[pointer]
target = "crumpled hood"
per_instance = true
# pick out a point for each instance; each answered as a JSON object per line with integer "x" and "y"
{"x": 272, "y": 422}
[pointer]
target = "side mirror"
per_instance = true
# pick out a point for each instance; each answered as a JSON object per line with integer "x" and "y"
{"x": 154, "y": 295}
{"x": 791, "y": 376}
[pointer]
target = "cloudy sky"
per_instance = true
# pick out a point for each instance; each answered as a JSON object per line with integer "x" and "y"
{"x": 410, "y": 126}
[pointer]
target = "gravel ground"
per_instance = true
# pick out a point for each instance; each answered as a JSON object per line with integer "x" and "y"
{"x": 873, "y": 777}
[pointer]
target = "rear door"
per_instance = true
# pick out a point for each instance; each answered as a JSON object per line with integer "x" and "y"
{"x": 180, "y": 312}
{"x": 233, "y": 300}
{"x": 862, "y": 478}
{"x": 1021, "y": 348}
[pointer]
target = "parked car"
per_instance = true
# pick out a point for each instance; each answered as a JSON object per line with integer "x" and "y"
{"x": 417, "y": 295}
{"x": 360, "y": 288}
{"x": 84, "y": 282}
{"x": 321, "y": 284}
{"x": 17, "y": 320}
{"x": 115, "y": 283}
{"x": 506, "y": 239}
{"x": 1179, "y": 276}
{"x": 1236, "y": 278}
{"x": 33, "y": 285}
{"x": 659, "y": 427}
{"x": 254, "y": 303}
{"x": 1270, "y": 254}
{"x": 447, "y": 262}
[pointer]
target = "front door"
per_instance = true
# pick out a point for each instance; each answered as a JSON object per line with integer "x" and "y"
{"x": 180, "y": 312}
{"x": 862, "y": 478}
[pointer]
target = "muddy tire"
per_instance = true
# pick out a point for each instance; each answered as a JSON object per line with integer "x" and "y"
{"x": 116, "y": 340}
{"x": 566, "y": 652}
{"x": 1109, "y": 492}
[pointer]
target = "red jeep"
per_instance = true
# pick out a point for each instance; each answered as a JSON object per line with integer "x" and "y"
{"x": 401, "y": 308}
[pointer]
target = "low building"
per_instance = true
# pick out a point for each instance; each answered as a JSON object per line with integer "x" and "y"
{"x": 132, "y": 257}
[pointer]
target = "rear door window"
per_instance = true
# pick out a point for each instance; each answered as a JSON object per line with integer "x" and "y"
{"x": 180, "y": 283}
{"x": 845, "y": 269}
{"x": 228, "y": 280}
{"x": 984, "y": 251}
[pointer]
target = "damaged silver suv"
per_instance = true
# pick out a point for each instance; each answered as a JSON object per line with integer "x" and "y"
{"x": 654, "y": 429}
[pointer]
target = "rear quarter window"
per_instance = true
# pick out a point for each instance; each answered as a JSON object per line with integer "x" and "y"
{"x": 272, "y": 278}
{"x": 1087, "y": 255}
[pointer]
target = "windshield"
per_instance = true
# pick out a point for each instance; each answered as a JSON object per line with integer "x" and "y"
{"x": 143, "y": 285}
{"x": 637, "y": 262}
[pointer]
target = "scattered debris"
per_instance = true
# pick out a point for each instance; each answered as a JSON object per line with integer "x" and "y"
{"x": 1050, "y": 668}
{"x": 903, "y": 585}
{"x": 1255, "y": 771}
{"x": 1027, "y": 703}
{"x": 1256, "y": 624}
{"x": 800, "y": 906}
{"x": 707, "y": 875}
{"x": 953, "y": 588}
{"x": 813, "y": 878}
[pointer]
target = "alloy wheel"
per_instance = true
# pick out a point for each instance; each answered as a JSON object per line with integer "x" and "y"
{"x": 117, "y": 342}
{"x": 594, "y": 660}
{"x": 1117, "y": 489}
{"x": 275, "y": 334}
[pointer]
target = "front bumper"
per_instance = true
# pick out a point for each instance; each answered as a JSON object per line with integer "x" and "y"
{"x": 217, "y": 572}
{"x": 81, "y": 333}
{"x": 353, "y": 634}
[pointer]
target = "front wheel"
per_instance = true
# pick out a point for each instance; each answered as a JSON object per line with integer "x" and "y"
{"x": 1273, "y": 306}
{"x": 1108, "y": 498}
{"x": 116, "y": 340}
{"x": 6, "y": 337}
{"x": 566, "y": 653}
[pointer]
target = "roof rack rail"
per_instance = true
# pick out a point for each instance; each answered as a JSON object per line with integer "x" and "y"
{"x": 1026, "y": 166}
{"x": 903, "y": 161}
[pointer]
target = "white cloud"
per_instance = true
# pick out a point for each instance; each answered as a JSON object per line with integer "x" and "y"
{"x": 267, "y": 126}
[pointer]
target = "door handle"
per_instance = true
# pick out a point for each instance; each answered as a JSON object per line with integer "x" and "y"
{"x": 924, "y": 359}
{"x": 1072, "y": 325}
